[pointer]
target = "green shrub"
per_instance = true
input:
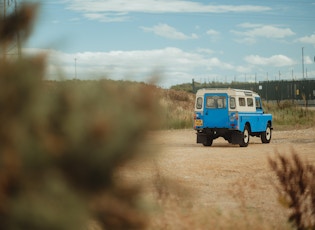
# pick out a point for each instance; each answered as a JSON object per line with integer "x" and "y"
{"x": 62, "y": 142}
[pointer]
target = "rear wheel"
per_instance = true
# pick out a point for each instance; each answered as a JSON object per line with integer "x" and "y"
{"x": 266, "y": 136}
{"x": 245, "y": 137}
{"x": 208, "y": 141}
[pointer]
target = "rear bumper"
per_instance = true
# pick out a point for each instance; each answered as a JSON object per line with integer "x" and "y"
{"x": 231, "y": 135}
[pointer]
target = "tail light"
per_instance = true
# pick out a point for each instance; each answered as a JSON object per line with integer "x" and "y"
{"x": 234, "y": 120}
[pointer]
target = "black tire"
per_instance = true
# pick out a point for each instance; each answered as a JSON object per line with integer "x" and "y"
{"x": 266, "y": 136}
{"x": 245, "y": 137}
{"x": 208, "y": 141}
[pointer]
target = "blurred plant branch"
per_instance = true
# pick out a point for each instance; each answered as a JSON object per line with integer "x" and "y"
{"x": 296, "y": 188}
{"x": 61, "y": 143}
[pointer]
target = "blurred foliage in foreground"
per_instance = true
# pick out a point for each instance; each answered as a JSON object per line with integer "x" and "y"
{"x": 60, "y": 146}
{"x": 296, "y": 188}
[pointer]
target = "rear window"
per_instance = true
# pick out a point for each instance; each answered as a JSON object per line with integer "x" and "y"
{"x": 216, "y": 102}
{"x": 199, "y": 103}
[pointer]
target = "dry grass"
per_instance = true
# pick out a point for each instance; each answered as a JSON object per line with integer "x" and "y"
{"x": 178, "y": 109}
{"x": 296, "y": 188}
{"x": 287, "y": 115}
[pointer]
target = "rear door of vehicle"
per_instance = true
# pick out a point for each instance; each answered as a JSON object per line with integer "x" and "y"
{"x": 216, "y": 110}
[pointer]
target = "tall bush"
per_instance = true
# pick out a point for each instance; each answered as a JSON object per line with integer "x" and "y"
{"x": 60, "y": 146}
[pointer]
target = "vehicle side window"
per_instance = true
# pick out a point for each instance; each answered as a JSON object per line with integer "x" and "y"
{"x": 241, "y": 101}
{"x": 199, "y": 103}
{"x": 250, "y": 102}
{"x": 216, "y": 102}
{"x": 232, "y": 103}
{"x": 258, "y": 103}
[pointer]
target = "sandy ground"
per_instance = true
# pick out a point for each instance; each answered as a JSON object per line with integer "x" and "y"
{"x": 223, "y": 177}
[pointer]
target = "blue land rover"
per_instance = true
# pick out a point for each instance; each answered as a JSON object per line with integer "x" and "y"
{"x": 232, "y": 114}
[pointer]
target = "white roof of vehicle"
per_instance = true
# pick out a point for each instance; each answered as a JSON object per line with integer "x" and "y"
{"x": 229, "y": 91}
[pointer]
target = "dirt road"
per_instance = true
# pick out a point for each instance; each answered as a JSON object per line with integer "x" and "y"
{"x": 224, "y": 177}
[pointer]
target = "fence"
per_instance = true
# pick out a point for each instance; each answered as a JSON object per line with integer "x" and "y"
{"x": 301, "y": 91}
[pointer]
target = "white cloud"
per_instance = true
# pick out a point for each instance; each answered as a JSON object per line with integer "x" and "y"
{"x": 174, "y": 65}
{"x": 263, "y": 31}
{"x": 249, "y": 25}
{"x": 167, "y": 31}
{"x": 213, "y": 32}
{"x": 215, "y": 62}
{"x": 157, "y": 6}
{"x": 106, "y": 17}
{"x": 308, "y": 39}
{"x": 275, "y": 60}
{"x": 205, "y": 51}
{"x": 243, "y": 69}
{"x": 308, "y": 60}
{"x": 246, "y": 40}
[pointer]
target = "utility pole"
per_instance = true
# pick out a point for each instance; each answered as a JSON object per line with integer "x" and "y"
{"x": 75, "y": 68}
{"x": 303, "y": 61}
{"x": 292, "y": 75}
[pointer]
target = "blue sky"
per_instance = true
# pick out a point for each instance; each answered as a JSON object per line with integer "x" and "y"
{"x": 177, "y": 40}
